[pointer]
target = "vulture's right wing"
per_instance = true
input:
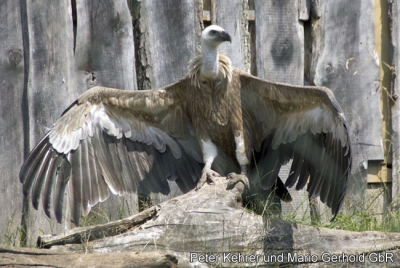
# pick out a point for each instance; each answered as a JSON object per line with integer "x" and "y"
{"x": 117, "y": 140}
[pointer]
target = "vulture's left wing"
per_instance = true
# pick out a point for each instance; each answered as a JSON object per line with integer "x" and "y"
{"x": 113, "y": 140}
{"x": 302, "y": 123}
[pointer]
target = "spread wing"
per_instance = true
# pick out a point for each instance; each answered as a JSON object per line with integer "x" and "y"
{"x": 113, "y": 140}
{"x": 305, "y": 124}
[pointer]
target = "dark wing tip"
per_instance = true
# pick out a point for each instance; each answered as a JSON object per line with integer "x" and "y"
{"x": 281, "y": 191}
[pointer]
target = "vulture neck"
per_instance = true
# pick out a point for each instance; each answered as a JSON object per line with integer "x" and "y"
{"x": 210, "y": 65}
{"x": 220, "y": 66}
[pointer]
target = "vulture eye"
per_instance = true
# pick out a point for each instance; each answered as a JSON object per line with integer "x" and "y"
{"x": 213, "y": 32}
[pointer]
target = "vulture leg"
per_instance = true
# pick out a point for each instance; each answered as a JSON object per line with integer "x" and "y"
{"x": 241, "y": 154}
{"x": 243, "y": 161}
{"x": 209, "y": 151}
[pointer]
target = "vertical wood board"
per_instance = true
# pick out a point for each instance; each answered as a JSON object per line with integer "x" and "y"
{"x": 104, "y": 47}
{"x": 279, "y": 41}
{"x": 168, "y": 36}
{"x": 11, "y": 123}
{"x": 394, "y": 15}
{"x": 233, "y": 17}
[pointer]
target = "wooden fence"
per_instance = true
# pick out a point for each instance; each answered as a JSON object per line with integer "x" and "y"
{"x": 52, "y": 51}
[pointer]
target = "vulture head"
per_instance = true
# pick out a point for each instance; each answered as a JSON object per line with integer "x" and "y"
{"x": 211, "y": 38}
{"x": 214, "y": 35}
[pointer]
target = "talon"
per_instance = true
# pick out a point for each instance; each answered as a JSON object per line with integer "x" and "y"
{"x": 206, "y": 177}
{"x": 230, "y": 175}
{"x": 235, "y": 179}
{"x": 209, "y": 180}
{"x": 215, "y": 174}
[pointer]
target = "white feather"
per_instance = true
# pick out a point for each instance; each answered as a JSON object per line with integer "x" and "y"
{"x": 209, "y": 151}
{"x": 241, "y": 151}
{"x": 128, "y": 134}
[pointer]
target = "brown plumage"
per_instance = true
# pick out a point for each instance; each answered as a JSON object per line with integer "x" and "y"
{"x": 215, "y": 117}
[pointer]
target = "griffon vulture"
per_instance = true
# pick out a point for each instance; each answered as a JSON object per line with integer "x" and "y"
{"x": 215, "y": 118}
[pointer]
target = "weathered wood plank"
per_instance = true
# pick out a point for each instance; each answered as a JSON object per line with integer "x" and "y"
{"x": 233, "y": 17}
{"x": 394, "y": 16}
{"x": 49, "y": 49}
{"x": 24, "y": 257}
{"x": 104, "y": 47}
{"x": 345, "y": 60}
{"x": 11, "y": 123}
{"x": 304, "y": 9}
{"x": 162, "y": 58}
{"x": 279, "y": 41}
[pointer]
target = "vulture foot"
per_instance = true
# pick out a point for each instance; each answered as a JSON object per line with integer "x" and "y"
{"x": 235, "y": 179}
{"x": 206, "y": 176}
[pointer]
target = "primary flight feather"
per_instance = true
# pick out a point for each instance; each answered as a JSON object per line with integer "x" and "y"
{"x": 215, "y": 118}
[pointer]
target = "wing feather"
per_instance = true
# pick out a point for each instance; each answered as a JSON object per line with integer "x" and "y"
{"x": 303, "y": 177}
{"x": 113, "y": 140}
{"x": 85, "y": 170}
{"x": 75, "y": 193}
{"x": 49, "y": 184}
{"x": 37, "y": 187}
{"x": 307, "y": 119}
{"x": 99, "y": 189}
{"x": 31, "y": 166}
{"x": 126, "y": 167}
{"x": 63, "y": 175}
{"x": 298, "y": 162}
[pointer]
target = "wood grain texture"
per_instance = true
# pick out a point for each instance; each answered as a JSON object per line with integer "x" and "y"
{"x": 79, "y": 234}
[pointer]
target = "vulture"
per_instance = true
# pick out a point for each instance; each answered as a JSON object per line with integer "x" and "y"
{"x": 216, "y": 119}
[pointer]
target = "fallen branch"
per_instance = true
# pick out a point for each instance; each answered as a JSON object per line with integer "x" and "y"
{"x": 85, "y": 234}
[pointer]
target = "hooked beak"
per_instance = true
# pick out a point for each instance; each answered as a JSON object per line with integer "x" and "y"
{"x": 226, "y": 37}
